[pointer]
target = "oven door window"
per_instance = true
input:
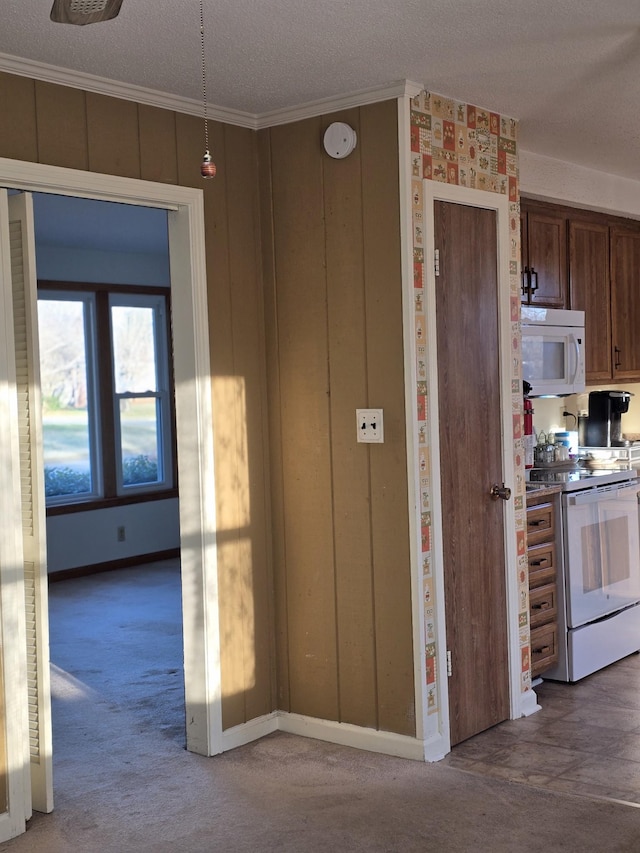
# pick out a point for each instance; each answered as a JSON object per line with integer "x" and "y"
{"x": 602, "y": 552}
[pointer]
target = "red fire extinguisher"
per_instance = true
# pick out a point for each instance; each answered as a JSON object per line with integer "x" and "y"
{"x": 529, "y": 438}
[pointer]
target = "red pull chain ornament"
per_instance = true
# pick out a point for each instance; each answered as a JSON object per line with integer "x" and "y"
{"x": 208, "y": 167}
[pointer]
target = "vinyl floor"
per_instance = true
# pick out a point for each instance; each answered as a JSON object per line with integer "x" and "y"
{"x": 585, "y": 740}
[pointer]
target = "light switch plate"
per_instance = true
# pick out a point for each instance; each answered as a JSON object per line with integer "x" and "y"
{"x": 370, "y": 426}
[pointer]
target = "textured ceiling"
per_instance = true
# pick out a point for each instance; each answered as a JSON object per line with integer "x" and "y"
{"x": 568, "y": 70}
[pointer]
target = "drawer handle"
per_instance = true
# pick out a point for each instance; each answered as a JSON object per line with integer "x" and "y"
{"x": 543, "y": 561}
{"x": 544, "y": 605}
{"x": 540, "y": 522}
{"x": 543, "y": 651}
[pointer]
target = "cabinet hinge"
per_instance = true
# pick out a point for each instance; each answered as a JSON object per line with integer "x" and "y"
{"x": 449, "y": 668}
{"x": 436, "y": 262}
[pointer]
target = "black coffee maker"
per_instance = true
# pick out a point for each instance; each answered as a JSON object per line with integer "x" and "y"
{"x": 603, "y": 427}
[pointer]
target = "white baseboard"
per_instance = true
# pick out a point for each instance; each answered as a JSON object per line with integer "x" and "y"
{"x": 436, "y": 748}
{"x": 248, "y": 732}
{"x": 344, "y": 734}
{"x": 529, "y": 703}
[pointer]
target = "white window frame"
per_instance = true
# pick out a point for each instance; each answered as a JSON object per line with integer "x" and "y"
{"x": 158, "y": 305}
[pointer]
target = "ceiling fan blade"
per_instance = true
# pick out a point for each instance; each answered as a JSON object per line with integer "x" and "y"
{"x": 84, "y": 11}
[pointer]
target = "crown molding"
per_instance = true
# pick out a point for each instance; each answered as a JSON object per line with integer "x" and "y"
{"x": 116, "y": 89}
{"x": 164, "y": 100}
{"x": 323, "y": 106}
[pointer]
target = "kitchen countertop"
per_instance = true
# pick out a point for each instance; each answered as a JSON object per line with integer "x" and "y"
{"x": 541, "y": 491}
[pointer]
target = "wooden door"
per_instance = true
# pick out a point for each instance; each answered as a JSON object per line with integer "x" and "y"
{"x": 625, "y": 304}
{"x": 547, "y": 258}
{"x": 471, "y": 462}
{"x": 590, "y": 292}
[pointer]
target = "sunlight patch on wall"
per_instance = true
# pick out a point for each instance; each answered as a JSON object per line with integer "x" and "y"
{"x": 235, "y": 553}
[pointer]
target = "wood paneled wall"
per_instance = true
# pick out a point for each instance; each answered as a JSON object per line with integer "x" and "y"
{"x": 60, "y": 126}
{"x": 333, "y": 296}
{"x": 325, "y": 629}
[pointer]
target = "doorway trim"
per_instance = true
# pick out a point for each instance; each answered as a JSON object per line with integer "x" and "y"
{"x": 193, "y": 418}
{"x": 435, "y": 191}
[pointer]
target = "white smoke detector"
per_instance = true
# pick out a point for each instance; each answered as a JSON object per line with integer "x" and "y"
{"x": 339, "y": 140}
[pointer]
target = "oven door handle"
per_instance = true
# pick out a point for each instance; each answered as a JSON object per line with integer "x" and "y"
{"x": 591, "y": 496}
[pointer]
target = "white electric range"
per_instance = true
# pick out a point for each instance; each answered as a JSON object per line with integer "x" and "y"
{"x": 598, "y": 579}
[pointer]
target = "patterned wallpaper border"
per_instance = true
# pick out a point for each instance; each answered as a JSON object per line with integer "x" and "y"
{"x": 458, "y": 143}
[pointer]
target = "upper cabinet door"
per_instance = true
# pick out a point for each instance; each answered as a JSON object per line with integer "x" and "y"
{"x": 625, "y": 303}
{"x": 590, "y": 291}
{"x": 545, "y": 259}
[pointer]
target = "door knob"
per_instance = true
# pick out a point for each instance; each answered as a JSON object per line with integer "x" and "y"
{"x": 502, "y": 491}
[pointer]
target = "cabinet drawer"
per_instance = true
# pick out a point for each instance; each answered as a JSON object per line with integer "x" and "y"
{"x": 543, "y": 605}
{"x": 542, "y": 564}
{"x": 544, "y": 648}
{"x": 540, "y": 523}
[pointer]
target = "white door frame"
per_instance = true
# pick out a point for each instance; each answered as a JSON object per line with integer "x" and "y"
{"x": 193, "y": 417}
{"x": 440, "y": 743}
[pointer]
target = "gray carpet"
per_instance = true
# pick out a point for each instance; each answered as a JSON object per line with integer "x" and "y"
{"x": 124, "y": 782}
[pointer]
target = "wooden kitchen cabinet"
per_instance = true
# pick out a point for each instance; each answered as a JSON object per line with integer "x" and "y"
{"x": 544, "y": 255}
{"x": 543, "y": 605}
{"x": 544, "y": 648}
{"x": 541, "y": 555}
{"x": 625, "y": 303}
{"x": 589, "y": 261}
{"x": 590, "y": 291}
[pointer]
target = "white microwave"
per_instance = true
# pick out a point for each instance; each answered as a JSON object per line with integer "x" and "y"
{"x": 553, "y": 351}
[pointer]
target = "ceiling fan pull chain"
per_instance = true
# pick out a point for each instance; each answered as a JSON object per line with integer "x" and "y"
{"x": 207, "y": 167}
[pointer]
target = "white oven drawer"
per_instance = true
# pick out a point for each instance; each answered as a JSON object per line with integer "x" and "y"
{"x": 602, "y": 551}
{"x": 595, "y": 646}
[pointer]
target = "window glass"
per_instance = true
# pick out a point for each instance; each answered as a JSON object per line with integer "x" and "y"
{"x": 134, "y": 351}
{"x": 139, "y": 441}
{"x": 66, "y": 394}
